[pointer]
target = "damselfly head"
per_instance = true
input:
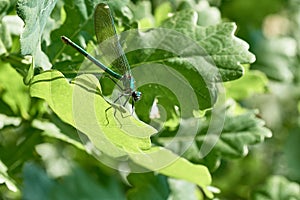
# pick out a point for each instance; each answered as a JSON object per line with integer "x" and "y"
{"x": 136, "y": 95}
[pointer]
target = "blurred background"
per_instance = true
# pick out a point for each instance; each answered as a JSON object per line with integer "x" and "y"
{"x": 272, "y": 30}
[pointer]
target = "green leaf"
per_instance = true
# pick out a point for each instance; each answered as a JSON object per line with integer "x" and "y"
{"x": 15, "y": 93}
{"x": 277, "y": 187}
{"x": 253, "y": 82}
{"x": 239, "y": 131}
{"x": 201, "y": 56}
{"x": 50, "y": 130}
{"x": 35, "y": 14}
{"x": 227, "y": 51}
{"x": 161, "y": 12}
{"x": 148, "y": 186}
{"x": 5, "y": 178}
{"x": 217, "y": 41}
{"x": 75, "y": 103}
{"x": 167, "y": 163}
{"x": 183, "y": 190}
{"x": 80, "y": 105}
{"x": 142, "y": 13}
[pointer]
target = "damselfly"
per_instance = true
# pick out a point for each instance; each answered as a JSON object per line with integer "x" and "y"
{"x": 105, "y": 30}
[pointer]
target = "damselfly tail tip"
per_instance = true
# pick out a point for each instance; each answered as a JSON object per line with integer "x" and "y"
{"x": 64, "y": 39}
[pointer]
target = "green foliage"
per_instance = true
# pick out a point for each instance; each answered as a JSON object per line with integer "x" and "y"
{"x": 35, "y": 26}
{"x": 148, "y": 186}
{"x": 172, "y": 165}
{"x": 243, "y": 13}
{"x": 15, "y": 93}
{"x": 239, "y": 89}
{"x": 278, "y": 187}
{"x": 277, "y": 55}
{"x": 84, "y": 187}
{"x": 54, "y": 88}
{"x": 62, "y": 136}
{"x": 226, "y": 51}
{"x": 4, "y": 178}
{"x": 239, "y": 132}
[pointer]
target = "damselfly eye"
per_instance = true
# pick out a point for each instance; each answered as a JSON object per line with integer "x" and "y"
{"x": 136, "y": 95}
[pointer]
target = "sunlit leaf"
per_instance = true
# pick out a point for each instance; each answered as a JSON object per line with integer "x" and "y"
{"x": 74, "y": 104}
{"x": 253, "y": 82}
{"x": 161, "y": 12}
{"x": 167, "y": 163}
{"x": 15, "y": 93}
{"x": 80, "y": 105}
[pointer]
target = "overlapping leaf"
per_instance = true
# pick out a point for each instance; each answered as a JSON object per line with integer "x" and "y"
{"x": 218, "y": 58}
{"x": 81, "y": 106}
{"x": 31, "y": 37}
{"x": 202, "y": 55}
{"x": 239, "y": 132}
